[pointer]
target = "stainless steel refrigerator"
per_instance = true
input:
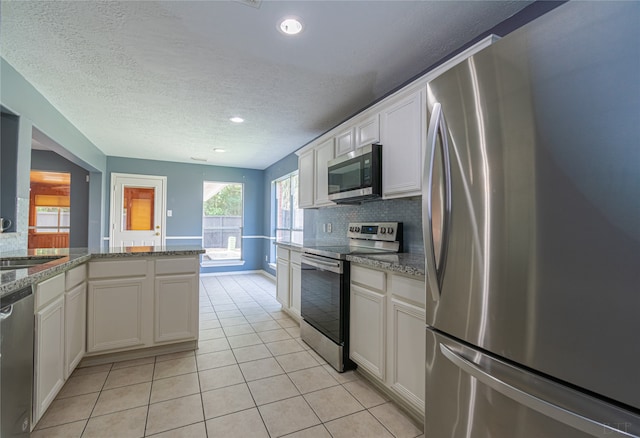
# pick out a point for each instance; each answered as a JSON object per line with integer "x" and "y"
{"x": 531, "y": 210}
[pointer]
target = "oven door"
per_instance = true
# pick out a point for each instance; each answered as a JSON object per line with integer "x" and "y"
{"x": 323, "y": 297}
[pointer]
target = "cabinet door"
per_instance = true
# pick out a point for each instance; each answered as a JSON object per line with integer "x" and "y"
{"x": 367, "y": 330}
{"x": 324, "y": 153}
{"x": 49, "y": 356}
{"x": 402, "y": 131}
{"x": 75, "y": 327}
{"x": 176, "y": 307}
{"x": 368, "y": 131}
{"x": 115, "y": 313}
{"x": 345, "y": 142}
{"x": 306, "y": 179}
{"x": 295, "y": 277}
{"x": 407, "y": 352}
{"x": 282, "y": 282}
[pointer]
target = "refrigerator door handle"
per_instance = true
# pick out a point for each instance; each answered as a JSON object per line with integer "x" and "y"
{"x": 435, "y": 263}
{"x": 584, "y": 423}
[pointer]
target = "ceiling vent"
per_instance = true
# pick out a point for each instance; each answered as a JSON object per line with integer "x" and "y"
{"x": 252, "y": 3}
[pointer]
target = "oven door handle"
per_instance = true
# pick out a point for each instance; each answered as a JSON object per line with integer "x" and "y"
{"x": 322, "y": 264}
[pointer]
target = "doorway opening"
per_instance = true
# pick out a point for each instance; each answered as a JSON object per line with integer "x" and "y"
{"x": 49, "y": 209}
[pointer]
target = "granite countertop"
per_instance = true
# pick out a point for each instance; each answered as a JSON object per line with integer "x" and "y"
{"x": 404, "y": 263}
{"x": 64, "y": 259}
{"x": 289, "y": 245}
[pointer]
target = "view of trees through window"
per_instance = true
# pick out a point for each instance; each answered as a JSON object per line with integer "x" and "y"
{"x": 222, "y": 221}
{"x": 289, "y": 219}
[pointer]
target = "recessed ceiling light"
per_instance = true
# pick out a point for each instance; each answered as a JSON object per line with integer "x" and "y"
{"x": 290, "y": 26}
{"x": 219, "y": 150}
{"x": 237, "y": 119}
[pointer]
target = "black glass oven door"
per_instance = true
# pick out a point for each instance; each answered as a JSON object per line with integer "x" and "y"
{"x": 322, "y": 301}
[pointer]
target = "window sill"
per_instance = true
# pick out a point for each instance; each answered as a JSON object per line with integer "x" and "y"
{"x": 219, "y": 263}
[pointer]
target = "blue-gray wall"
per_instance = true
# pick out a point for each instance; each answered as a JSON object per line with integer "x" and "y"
{"x": 8, "y": 167}
{"x": 79, "y": 196}
{"x": 184, "y": 198}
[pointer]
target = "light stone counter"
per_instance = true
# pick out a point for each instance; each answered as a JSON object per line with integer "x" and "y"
{"x": 404, "y": 263}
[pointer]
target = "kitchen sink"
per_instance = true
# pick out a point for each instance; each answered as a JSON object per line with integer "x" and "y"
{"x": 7, "y": 264}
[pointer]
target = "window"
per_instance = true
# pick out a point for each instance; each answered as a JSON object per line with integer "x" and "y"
{"x": 222, "y": 222}
{"x": 52, "y": 219}
{"x": 289, "y": 218}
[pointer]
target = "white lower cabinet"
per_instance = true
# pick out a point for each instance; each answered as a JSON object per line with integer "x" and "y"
{"x": 176, "y": 309}
{"x": 289, "y": 280}
{"x": 387, "y": 331}
{"x": 75, "y": 326}
{"x": 295, "y": 280}
{"x": 282, "y": 282}
{"x": 48, "y": 355}
{"x": 367, "y": 330}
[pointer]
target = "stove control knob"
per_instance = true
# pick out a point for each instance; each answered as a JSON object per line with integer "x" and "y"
{"x": 390, "y": 230}
{"x": 351, "y": 229}
{"x": 357, "y": 229}
{"x": 383, "y": 230}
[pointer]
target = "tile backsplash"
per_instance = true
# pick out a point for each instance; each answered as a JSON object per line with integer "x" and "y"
{"x": 407, "y": 211}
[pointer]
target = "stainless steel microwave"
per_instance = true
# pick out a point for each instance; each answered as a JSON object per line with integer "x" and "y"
{"x": 356, "y": 176}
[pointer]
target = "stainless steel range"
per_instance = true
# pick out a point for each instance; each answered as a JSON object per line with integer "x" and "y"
{"x": 325, "y": 288}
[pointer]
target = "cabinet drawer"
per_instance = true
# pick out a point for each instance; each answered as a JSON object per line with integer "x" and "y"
{"x": 282, "y": 253}
{"x": 183, "y": 265}
{"x": 410, "y": 289}
{"x": 295, "y": 257}
{"x": 368, "y": 277}
{"x": 117, "y": 268}
{"x": 49, "y": 290}
{"x": 76, "y": 276}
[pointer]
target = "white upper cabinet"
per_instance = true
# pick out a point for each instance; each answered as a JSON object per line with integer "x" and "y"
{"x": 324, "y": 153}
{"x": 402, "y": 131}
{"x": 368, "y": 131}
{"x": 306, "y": 181}
{"x": 345, "y": 142}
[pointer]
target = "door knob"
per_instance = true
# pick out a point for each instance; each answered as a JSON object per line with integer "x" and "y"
{"x": 157, "y": 234}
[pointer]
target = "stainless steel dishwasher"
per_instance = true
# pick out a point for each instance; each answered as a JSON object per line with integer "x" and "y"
{"x": 16, "y": 362}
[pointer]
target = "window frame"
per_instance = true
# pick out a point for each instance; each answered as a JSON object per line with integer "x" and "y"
{"x": 60, "y": 229}
{"x": 294, "y": 208}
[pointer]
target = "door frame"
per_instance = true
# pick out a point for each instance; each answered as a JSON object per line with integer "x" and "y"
{"x": 162, "y": 206}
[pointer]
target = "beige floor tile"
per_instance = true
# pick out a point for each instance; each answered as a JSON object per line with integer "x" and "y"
{"x": 316, "y": 356}
{"x": 178, "y": 355}
{"x": 288, "y": 322}
{"x": 197, "y": 430}
{"x": 303, "y": 344}
{"x": 224, "y": 314}
{"x": 83, "y": 384}
{"x": 215, "y": 360}
{"x": 210, "y": 324}
{"x": 174, "y": 413}
{"x": 225, "y": 307}
{"x": 332, "y": 403}
{"x": 254, "y": 352}
{"x": 69, "y": 430}
{"x": 68, "y": 410}
{"x": 279, "y": 315}
{"x": 252, "y": 310}
{"x": 214, "y": 333}
{"x": 365, "y": 393}
{"x": 174, "y": 387}
{"x": 395, "y": 420}
{"x": 347, "y": 376}
{"x": 247, "y": 423}
{"x": 287, "y": 416}
{"x": 175, "y": 367}
{"x": 125, "y": 424}
{"x": 220, "y": 377}
{"x": 312, "y": 379}
{"x": 318, "y": 431}
{"x": 244, "y": 340}
{"x": 133, "y": 362}
{"x": 259, "y": 317}
{"x": 206, "y": 309}
{"x": 294, "y": 332}
{"x": 272, "y": 389}
{"x": 274, "y": 335}
{"x": 284, "y": 347}
{"x": 359, "y": 425}
{"x": 263, "y": 326}
{"x": 259, "y": 369}
{"x": 226, "y": 400}
{"x": 120, "y": 399}
{"x": 212, "y": 346}
{"x": 208, "y": 317}
{"x": 92, "y": 369}
{"x": 236, "y": 330}
{"x": 297, "y": 361}
{"x": 129, "y": 376}
{"x": 228, "y": 322}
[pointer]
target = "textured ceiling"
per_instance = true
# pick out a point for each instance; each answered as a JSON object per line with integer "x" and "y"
{"x": 159, "y": 80}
